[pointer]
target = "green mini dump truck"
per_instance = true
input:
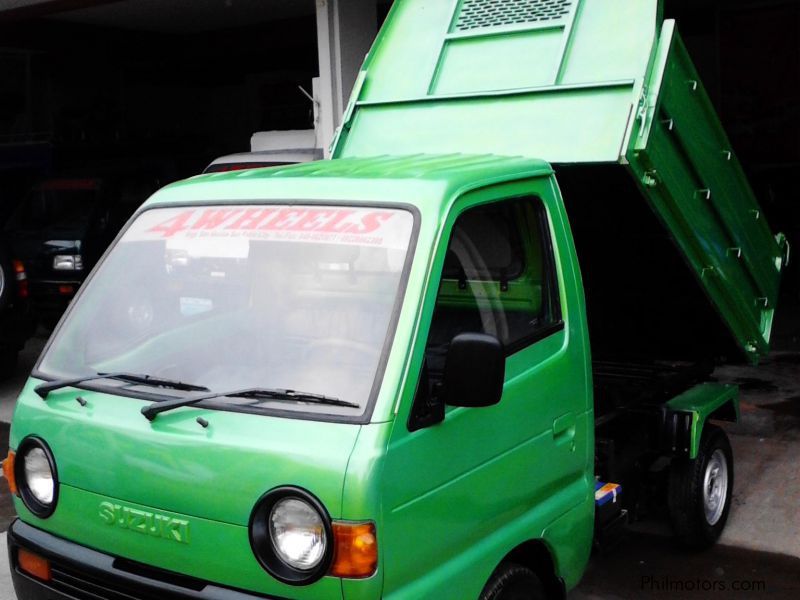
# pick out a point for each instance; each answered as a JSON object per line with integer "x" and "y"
{"x": 442, "y": 364}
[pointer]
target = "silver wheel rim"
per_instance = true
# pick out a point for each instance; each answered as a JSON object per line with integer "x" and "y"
{"x": 2, "y": 281}
{"x": 715, "y": 487}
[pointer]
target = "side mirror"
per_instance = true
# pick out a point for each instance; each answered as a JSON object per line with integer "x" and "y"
{"x": 474, "y": 371}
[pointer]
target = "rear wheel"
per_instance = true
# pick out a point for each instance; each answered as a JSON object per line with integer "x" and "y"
{"x": 511, "y": 581}
{"x": 700, "y": 491}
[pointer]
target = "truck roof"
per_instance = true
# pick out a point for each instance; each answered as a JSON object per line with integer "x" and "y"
{"x": 411, "y": 179}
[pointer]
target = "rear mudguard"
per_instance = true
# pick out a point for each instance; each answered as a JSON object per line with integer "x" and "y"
{"x": 687, "y": 413}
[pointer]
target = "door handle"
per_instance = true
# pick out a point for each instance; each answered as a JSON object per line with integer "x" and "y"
{"x": 564, "y": 428}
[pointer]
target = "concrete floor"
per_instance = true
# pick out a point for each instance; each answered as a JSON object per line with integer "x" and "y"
{"x": 759, "y": 553}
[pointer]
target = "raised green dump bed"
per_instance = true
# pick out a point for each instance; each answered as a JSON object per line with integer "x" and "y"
{"x": 578, "y": 83}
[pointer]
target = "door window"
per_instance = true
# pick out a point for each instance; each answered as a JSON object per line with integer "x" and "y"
{"x": 498, "y": 278}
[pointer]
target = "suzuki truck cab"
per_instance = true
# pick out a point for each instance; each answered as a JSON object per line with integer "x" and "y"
{"x": 442, "y": 364}
{"x": 230, "y": 402}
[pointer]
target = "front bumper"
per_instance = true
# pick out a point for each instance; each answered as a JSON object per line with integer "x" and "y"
{"x": 79, "y": 573}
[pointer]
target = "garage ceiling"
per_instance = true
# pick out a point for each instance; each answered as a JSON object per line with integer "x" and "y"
{"x": 171, "y": 16}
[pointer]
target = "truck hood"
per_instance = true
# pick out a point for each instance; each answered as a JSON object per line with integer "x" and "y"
{"x": 174, "y": 464}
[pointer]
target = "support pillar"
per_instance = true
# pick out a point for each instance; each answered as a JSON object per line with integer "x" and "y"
{"x": 345, "y": 32}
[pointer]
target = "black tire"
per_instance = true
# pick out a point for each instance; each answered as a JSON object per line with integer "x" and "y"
{"x": 511, "y": 581}
{"x": 691, "y": 522}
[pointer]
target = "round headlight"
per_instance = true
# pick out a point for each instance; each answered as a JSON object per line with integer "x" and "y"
{"x": 297, "y": 533}
{"x": 36, "y": 477}
{"x": 291, "y": 536}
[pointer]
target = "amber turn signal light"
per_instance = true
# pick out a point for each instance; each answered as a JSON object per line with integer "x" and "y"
{"x": 8, "y": 472}
{"x": 355, "y": 554}
{"x": 33, "y": 564}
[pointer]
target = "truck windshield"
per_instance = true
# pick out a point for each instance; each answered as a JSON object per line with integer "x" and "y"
{"x": 232, "y": 297}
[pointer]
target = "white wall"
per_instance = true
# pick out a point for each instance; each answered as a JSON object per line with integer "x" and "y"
{"x": 345, "y": 32}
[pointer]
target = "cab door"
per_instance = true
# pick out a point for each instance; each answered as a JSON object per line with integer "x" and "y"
{"x": 461, "y": 491}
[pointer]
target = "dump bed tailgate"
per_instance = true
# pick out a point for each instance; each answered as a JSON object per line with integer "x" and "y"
{"x": 688, "y": 171}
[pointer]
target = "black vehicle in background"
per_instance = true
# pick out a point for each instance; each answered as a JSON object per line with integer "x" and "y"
{"x": 60, "y": 230}
{"x": 17, "y": 322}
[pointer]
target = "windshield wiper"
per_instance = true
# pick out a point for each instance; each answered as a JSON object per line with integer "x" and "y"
{"x": 154, "y": 409}
{"x": 43, "y": 389}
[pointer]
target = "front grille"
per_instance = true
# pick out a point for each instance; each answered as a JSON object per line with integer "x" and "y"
{"x": 83, "y": 586}
{"x": 81, "y": 573}
{"x": 477, "y": 14}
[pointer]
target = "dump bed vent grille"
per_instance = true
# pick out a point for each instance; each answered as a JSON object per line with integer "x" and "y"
{"x": 477, "y": 14}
